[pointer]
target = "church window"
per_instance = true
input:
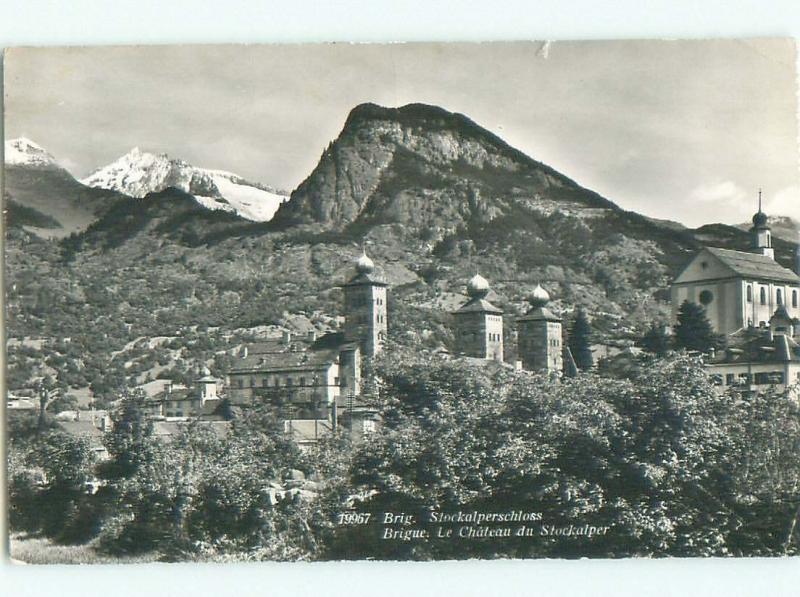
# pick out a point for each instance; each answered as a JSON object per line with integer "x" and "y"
{"x": 706, "y": 297}
{"x": 749, "y": 294}
{"x": 763, "y": 296}
{"x": 794, "y": 298}
{"x": 779, "y": 296}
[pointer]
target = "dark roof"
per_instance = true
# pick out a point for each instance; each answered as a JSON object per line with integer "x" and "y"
{"x": 761, "y": 349}
{"x": 479, "y": 305}
{"x": 174, "y": 394}
{"x": 538, "y": 314}
{"x": 280, "y": 356}
{"x": 362, "y": 279}
{"x": 85, "y": 429}
{"x": 753, "y": 265}
{"x": 170, "y": 428}
{"x": 308, "y": 430}
{"x": 781, "y": 313}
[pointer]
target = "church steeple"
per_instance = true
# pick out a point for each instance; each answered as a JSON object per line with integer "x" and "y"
{"x": 760, "y": 233}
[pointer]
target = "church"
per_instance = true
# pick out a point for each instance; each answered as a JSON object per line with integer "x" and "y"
{"x": 754, "y": 302}
{"x": 739, "y": 289}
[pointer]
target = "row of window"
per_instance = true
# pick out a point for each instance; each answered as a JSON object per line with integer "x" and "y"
{"x": 494, "y": 337}
{"x": 357, "y": 319}
{"x": 363, "y": 301}
{"x": 762, "y": 378}
{"x": 763, "y": 296}
{"x": 276, "y": 382}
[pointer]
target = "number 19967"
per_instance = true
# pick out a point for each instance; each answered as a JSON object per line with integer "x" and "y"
{"x": 353, "y": 517}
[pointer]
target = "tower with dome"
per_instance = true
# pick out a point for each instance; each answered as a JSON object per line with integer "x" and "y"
{"x": 479, "y": 324}
{"x": 365, "y": 320}
{"x": 539, "y": 335}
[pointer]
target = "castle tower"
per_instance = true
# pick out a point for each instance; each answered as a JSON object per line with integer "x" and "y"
{"x": 479, "y": 324}
{"x": 365, "y": 308}
{"x": 760, "y": 233}
{"x": 207, "y": 385}
{"x": 539, "y": 333}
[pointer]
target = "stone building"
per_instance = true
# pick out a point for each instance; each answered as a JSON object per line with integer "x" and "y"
{"x": 175, "y": 401}
{"x": 365, "y": 308}
{"x": 760, "y": 358}
{"x": 316, "y": 382}
{"x": 739, "y": 289}
{"x": 479, "y": 324}
{"x": 539, "y": 336}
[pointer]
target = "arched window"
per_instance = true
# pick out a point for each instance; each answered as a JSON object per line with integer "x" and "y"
{"x": 794, "y": 298}
{"x": 779, "y": 296}
{"x": 749, "y": 294}
{"x": 763, "y": 296}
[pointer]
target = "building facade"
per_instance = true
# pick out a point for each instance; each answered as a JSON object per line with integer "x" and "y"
{"x": 738, "y": 289}
{"x": 479, "y": 324}
{"x": 316, "y": 383}
{"x": 540, "y": 346}
{"x": 365, "y": 312}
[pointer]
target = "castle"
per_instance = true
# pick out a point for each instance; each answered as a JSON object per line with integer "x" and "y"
{"x": 316, "y": 382}
{"x": 754, "y": 302}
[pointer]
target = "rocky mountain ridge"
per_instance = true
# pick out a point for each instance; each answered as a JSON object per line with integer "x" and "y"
{"x": 139, "y": 173}
{"x": 422, "y": 165}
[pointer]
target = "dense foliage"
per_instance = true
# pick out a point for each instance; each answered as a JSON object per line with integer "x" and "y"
{"x": 668, "y": 464}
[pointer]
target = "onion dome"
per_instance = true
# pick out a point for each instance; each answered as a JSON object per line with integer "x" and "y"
{"x": 478, "y": 286}
{"x": 364, "y": 265}
{"x": 539, "y": 297}
{"x": 205, "y": 372}
{"x": 760, "y": 219}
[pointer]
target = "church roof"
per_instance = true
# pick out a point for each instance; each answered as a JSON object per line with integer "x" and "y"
{"x": 479, "y": 305}
{"x": 753, "y": 265}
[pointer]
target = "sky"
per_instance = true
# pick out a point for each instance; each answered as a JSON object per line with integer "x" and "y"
{"x": 681, "y": 130}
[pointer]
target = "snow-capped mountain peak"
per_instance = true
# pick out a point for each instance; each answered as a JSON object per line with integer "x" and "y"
{"x": 24, "y": 152}
{"x": 138, "y": 173}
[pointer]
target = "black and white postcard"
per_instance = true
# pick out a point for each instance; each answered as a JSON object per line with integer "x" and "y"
{"x": 411, "y": 301}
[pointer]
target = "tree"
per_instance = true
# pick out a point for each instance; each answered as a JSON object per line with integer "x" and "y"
{"x": 579, "y": 341}
{"x": 655, "y": 340}
{"x": 693, "y": 330}
{"x": 130, "y": 438}
{"x": 48, "y": 393}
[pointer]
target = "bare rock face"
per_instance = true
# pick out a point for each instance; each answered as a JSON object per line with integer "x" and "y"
{"x": 421, "y": 165}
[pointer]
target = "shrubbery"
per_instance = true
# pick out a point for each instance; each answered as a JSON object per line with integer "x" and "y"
{"x": 670, "y": 465}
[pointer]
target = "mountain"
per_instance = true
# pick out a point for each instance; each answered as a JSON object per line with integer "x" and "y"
{"x": 24, "y": 152}
{"x": 43, "y": 197}
{"x": 421, "y": 164}
{"x": 435, "y": 197}
{"x": 782, "y": 227}
{"x": 138, "y": 173}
